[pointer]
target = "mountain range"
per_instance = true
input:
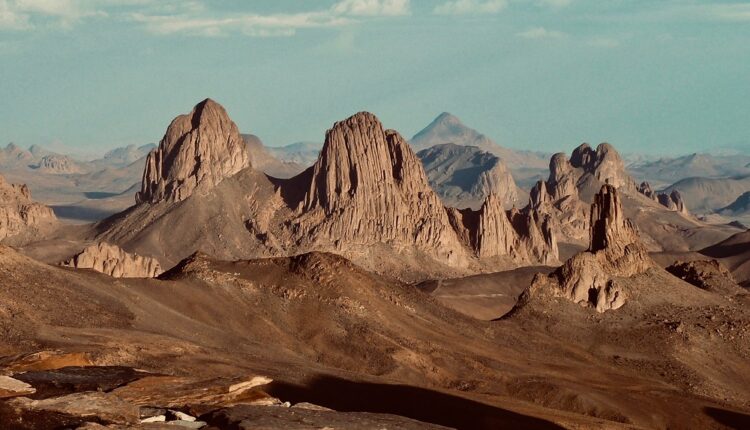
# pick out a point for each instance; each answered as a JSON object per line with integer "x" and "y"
{"x": 377, "y": 287}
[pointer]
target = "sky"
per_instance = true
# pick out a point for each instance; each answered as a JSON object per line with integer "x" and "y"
{"x": 654, "y": 77}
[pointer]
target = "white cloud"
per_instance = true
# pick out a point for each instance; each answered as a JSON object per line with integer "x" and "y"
{"x": 249, "y": 24}
{"x": 541, "y": 33}
{"x": 372, "y": 7}
{"x": 191, "y": 16}
{"x": 470, "y": 7}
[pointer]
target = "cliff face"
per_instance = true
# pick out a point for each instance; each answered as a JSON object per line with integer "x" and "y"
{"x": 18, "y": 213}
{"x": 615, "y": 251}
{"x": 114, "y": 261}
{"x": 197, "y": 152}
{"x": 367, "y": 187}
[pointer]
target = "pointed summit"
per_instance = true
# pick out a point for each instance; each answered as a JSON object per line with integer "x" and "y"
{"x": 197, "y": 152}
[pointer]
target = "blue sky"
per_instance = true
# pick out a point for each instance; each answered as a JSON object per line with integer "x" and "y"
{"x": 648, "y": 76}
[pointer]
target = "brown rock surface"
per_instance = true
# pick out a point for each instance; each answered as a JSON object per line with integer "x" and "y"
{"x": 615, "y": 251}
{"x": 706, "y": 274}
{"x": 197, "y": 152}
{"x": 369, "y": 187}
{"x": 10, "y": 387}
{"x": 115, "y": 261}
{"x": 103, "y": 407}
{"x": 18, "y": 213}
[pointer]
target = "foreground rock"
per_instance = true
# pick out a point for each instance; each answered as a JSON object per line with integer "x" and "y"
{"x": 115, "y": 261}
{"x": 10, "y": 387}
{"x": 198, "y": 151}
{"x": 256, "y": 417}
{"x": 20, "y": 215}
{"x": 615, "y": 251}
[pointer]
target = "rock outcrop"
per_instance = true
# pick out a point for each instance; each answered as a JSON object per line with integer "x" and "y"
{"x": 198, "y": 151}
{"x": 369, "y": 187}
{"x": 114, "y": 261}
{"x": 573, "y": 182}
{"x": 646, "y": 190}
{"x": 673, "y": 201}
{"x": 18, "y": 213}
{"x": 463, "y": 176}
{"x": 615, "y": 251}
{"x": 57, "y": 164}
{"x": 706, "y": 274}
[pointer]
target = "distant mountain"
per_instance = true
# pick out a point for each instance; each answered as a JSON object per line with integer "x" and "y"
{"x": 669, "y": 170}
{"x": 125, "y": 155}
{"x": 463, "y": 176}
{"x": 527, "y": 166}
{"x": 263, "y": 159}
{"x": 741, "y": 206}
{"x": 13, "y": 156}
{"x": 302, "y": 153}
{"x": 706, "y": 195}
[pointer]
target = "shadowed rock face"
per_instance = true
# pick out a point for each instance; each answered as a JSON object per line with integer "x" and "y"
{"x": 672, "y": 201}
{"x": 463, "y": 176}
{"x": 615, "y": 251}
{"x": 18, "y": 213}
{"x": 197, "y": 152}
{"x": 114, "y": 261}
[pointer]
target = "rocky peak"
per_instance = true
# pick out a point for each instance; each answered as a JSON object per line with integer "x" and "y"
{"x": 609, "y": 227}
{"x": 198, "y": 151}
{"x": 368, "y": 186}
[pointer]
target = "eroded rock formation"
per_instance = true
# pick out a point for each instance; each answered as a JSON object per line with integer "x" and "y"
{"x": 572, "y": 183}
{"x": 615, "y": 251}
{"x": 18, "y": 213}
{"x": 57, "y": 164}
{"x": 706, "y": 274}
{"x": 672, "y": 201}
{"x": 197, "y": 152}
{"x": 369, "y": 187}
{"x": 114, "y": 261}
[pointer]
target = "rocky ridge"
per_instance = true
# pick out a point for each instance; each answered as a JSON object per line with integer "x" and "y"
{"x": 57, "y": 164}
{"x": 197, "y": 152}
{"x": 615, "y": 251}
{"x": 367, "y": 198}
